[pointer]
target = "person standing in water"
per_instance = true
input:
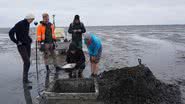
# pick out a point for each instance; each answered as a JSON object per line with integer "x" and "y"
{"x": 94, "y": 46}
{"x": 77, "y": 29}
{"x": 23, "y": 42}
{"x": 46, "y": 39}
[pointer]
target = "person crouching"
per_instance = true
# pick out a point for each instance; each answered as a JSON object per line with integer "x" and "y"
{"x": 76, "y": 55}
{"x": 94, "y": 46}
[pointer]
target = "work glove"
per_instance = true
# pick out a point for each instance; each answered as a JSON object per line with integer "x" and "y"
{"x": 41, "y": 42}
{"x": 41, "y": 46}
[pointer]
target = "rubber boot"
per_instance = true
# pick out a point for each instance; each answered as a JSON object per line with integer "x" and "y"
{"x": 47, "y": 68}
{"x": 70, "y": 75}
{"x": 80, "y": 75}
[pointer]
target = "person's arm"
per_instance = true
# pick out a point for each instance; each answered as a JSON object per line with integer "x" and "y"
{"x": 83, "y": 28}
{"x": 90, "y": 51}
{"x": 96, "y": 47}
{"x": 70, "y": 30}
{"x": 89, "y": 48}
{"x": 12, "y": 34}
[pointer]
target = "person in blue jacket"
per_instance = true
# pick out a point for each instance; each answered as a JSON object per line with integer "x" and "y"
{"x": 94, "y": 46}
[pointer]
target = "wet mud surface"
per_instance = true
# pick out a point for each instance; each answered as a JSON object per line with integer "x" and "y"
{"x": 73, "y": 86}
{"x": 162, "y": 48}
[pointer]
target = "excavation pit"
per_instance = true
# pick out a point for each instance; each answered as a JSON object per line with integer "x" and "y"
{"x": 72, "y": 89}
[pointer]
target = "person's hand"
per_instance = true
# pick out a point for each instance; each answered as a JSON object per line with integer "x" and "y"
{"x": 38, "y": 44}
{"x": 79, "y": 30}
{"x": 74, "y": 31}
{"x": 41, "y": 46}
{"x": 19, "y": 43}
{"x": 41, "y": 42}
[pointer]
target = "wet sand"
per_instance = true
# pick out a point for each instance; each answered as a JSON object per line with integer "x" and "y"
{"x": 161, "y": 48}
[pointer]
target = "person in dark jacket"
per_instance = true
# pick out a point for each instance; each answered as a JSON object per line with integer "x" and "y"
{"x": 77, "y": 29}
{"x": 23, "y": 41}
{"x": 76, "y": 55}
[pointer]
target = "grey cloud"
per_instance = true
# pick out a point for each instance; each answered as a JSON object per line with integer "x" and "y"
{"x": 96, "y": 12}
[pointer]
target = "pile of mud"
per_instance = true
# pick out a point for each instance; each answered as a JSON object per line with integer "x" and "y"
{"x": 136, "y": 85}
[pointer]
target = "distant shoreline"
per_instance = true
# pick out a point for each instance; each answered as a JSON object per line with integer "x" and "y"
{"x": 117, "y": 25}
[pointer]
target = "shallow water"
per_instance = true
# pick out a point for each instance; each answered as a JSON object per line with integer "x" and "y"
{"x": 161, "y": 48}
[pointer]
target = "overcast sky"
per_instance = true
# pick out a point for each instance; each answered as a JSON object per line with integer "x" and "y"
{"x": 96, "y": 12}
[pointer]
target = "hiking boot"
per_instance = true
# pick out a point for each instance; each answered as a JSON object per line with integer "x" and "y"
{"x": 47, "y": 67}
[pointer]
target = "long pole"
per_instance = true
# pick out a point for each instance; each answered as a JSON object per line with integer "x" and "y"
{"x": 54, "y": 20}
{"x": 36, "y": 45}
{"x": 37, "y": 70}
{"x": 37, "y": 61}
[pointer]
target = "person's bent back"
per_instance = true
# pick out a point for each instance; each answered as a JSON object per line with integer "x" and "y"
{"x": 94, "y": 46}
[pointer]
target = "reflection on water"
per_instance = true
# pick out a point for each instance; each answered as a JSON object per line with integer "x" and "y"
{"x": 27, "y": 93}
{"x": 48, "y": 77}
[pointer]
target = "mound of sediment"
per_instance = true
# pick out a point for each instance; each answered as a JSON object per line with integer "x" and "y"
{"x": 136, "y": 85}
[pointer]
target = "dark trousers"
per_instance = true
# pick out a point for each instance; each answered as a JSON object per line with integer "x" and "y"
{"x": 78, "y": 43}
{"x": 25, "y": 52}
{"x": 80, "y": 71}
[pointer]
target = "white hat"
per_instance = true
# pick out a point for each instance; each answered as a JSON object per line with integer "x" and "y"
{"x": 30, "y": 16}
